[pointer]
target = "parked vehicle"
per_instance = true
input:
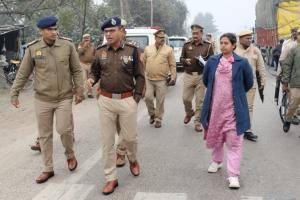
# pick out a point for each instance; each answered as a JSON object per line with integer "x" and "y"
{"x": 11, "y": 53}
{"x": 143, "y": 36}
{"x": 177, "y": 43}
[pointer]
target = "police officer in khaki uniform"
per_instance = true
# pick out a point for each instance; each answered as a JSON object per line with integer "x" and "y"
{"x": 286, "y": 47}
{"x": 291, "y": 81}
{"x": 159, "y": 62}
{"x": 192, "y": 80}
{"x": 246, "y": 49}
{"x": 86, "y": 52}
{"x": 120, "y": 71}
{"x": 57, "y": 75}
{"x": 121, "y": 148}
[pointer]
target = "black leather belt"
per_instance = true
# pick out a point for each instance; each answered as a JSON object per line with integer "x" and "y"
{"x": 193, "y": 73}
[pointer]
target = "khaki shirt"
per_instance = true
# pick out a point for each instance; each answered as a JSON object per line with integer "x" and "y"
{"x": 255, "y": 59}
{"x": 119, "y": 70}
{"x": 159, "y": 62}
{"x": 191, "y": 50}
{"x": 86, "y": 53}
{"x": 57, "y": 71}
{"x": 286, "y": 47}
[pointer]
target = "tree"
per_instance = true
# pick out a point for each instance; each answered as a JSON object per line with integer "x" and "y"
{"x": 169, "y": 14}
{"x": 206, "y": 20}
{"x": 69, "y": 12}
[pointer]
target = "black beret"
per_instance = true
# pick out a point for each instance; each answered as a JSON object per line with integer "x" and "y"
{"x": 46, "y": 22}
{"x": 111, "y": 22}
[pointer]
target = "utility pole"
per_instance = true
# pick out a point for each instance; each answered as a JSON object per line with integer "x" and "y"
{"x": 84, "y": 15}
{"x": 122, "y": 9}
{"x": 151, "y": 1}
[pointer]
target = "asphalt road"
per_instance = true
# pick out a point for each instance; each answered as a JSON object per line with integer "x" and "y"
{"x": 173, "y": 159}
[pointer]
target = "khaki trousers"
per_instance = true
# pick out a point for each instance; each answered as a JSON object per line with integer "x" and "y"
{"x": 159, "y": 89}
{"x": 193, "y": 86}
{"x": 110, "y": 109}
{"x": 121, "y": 148}
{"x": 250, "y": 100}
{"x": 45, "y": 112}
{"x": 86, "y": 69}
{"x": 293, "y": 104}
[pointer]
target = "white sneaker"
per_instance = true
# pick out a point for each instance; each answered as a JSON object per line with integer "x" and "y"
{"x": 234, "y": 182}
{"x": 214, "y": 167}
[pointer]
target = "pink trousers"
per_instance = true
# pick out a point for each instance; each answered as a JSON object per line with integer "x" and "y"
{"x": 234, "y": 144}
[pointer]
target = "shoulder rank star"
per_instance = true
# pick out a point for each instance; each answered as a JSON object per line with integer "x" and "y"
{"x": 38, "y": 53}
{"x": 104, "y": 55}
{"x": 190, "y": 48}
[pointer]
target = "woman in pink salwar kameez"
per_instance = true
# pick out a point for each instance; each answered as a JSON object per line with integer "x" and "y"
{"x": 225, "y": 100}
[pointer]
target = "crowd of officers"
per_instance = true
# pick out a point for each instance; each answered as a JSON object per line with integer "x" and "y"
{"x": 123, "y": 75}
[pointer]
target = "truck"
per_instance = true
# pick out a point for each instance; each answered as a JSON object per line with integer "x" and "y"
{"x": 274, "y": 20}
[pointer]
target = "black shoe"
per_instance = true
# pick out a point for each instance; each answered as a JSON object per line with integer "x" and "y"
{"x": 90, "y": 96}
{"x": 295, "y": 120}
{"x": 157, "y": 124}
{"x": 36, "y": 146}
{"x": 151, "y": 121}
{"x": 286, "y": 126}
{"x": 250, "y": 136}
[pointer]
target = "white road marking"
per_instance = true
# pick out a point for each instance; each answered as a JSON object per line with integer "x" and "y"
{"x": 78, "y": 192}
{"x": 160, "y": 196}
{"x": 65, "y": 192}
{"x": 251, "y": 198}
{"x": 55, "y": 191}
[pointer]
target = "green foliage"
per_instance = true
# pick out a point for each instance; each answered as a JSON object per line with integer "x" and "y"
{"x": 206, "y": 20}
{"x": 169, "y": 14}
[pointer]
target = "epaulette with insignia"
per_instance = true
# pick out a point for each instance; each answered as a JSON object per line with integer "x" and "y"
{"x": 32, "y": 43}
{"x": 132, "y": 43}
{"x": 65, "y": 38}
{"x": 189, "y": 41}
{"x": 100, "y": 46}
{"x": 207, "y": 41}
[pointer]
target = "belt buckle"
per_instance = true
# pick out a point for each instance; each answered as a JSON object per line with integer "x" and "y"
{"x": 116, "y": 96}
{"x": 194, "y": 73}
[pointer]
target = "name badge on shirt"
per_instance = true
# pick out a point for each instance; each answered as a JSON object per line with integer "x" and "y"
{"x": 126, "y": 59}
{"x": 103, "y": 55}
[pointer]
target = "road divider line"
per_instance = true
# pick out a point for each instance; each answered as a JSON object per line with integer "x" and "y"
{"x": 160, "y": 196}
{"x": 251, "y": 198}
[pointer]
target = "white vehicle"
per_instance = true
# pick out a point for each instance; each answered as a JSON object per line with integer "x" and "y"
{"x": 143, "y": 36}
{"x": 177, "y": 43}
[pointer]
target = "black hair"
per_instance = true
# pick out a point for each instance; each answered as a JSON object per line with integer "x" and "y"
{"x": 231, "y": 37}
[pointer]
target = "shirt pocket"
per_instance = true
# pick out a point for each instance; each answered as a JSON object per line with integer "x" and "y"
{"x": 127, "y": 64}
{"x": 163, "y": 58}
{"x": 40, "y": 61}
{"x": 64, "y": 60}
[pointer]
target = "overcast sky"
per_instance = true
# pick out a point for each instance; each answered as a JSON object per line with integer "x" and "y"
{"x": 230, "y": 15}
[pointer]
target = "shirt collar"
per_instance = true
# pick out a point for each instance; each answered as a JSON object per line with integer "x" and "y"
{"x": 122, "y": 46}
{"x": 241, "y": 47}
{"x": 57, "y": 43}
{"x": 201, "y": 42}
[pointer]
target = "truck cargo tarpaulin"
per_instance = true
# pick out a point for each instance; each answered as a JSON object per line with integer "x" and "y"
{"x": 288, "y": 16}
